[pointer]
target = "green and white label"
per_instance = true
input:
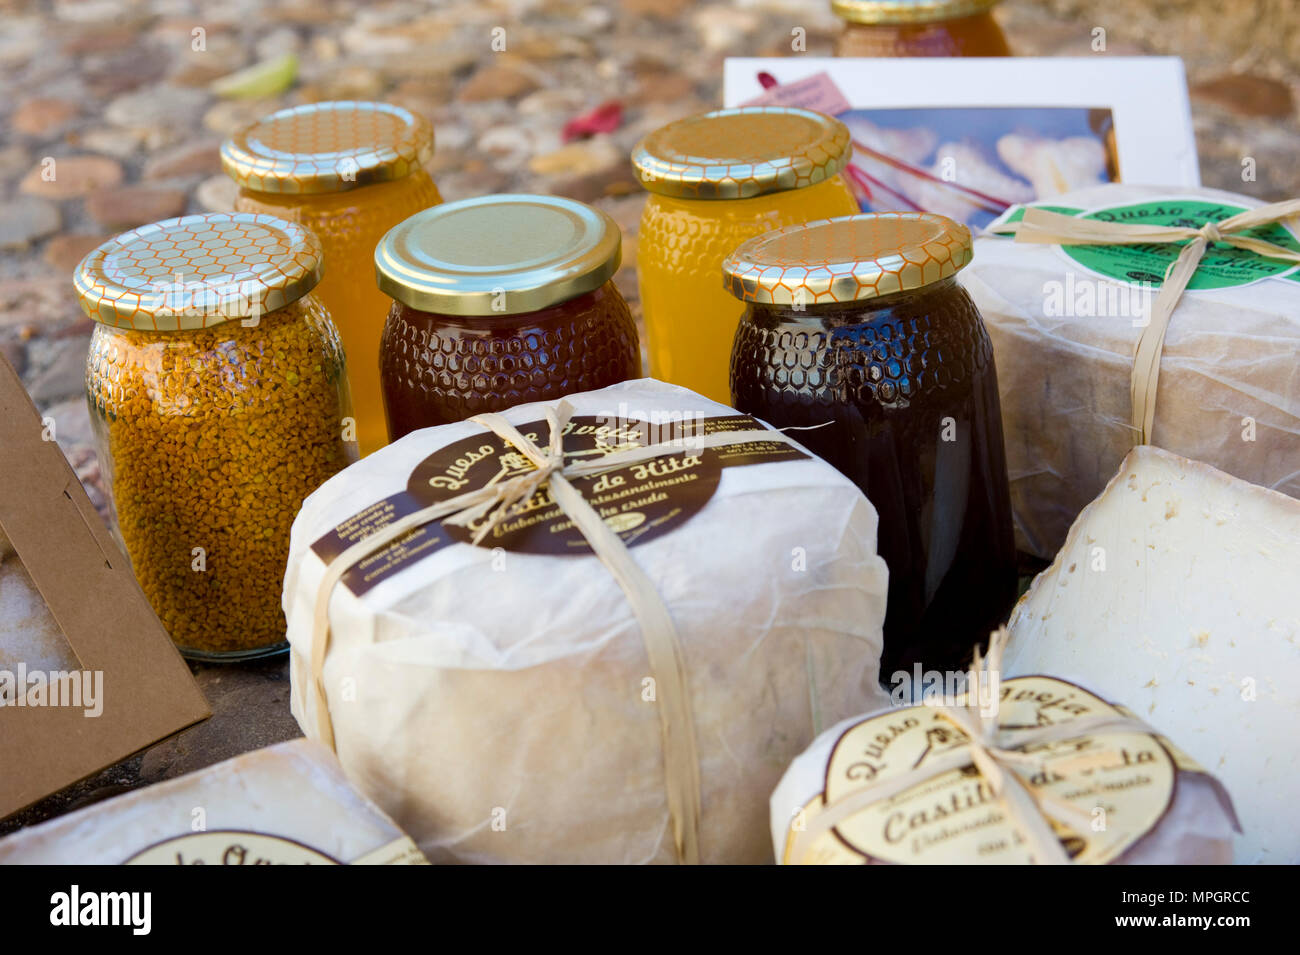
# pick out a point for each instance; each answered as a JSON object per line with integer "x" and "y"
{"x": 1222, "y": 265}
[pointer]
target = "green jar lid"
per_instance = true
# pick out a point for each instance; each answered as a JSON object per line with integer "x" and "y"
{"x": 498, "y": 255}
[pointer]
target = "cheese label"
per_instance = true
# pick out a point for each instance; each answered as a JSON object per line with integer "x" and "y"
{"x": 639, "y": 502}
{"x": 237, "y": 847}
{"x": 1123, "y": 783}
{"x": 230, "y": 847}
{"x": 1222, "y": 265}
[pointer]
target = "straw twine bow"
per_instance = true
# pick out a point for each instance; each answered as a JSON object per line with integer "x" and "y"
{"x": 997, "y": 752}
{"x": 1053, "y": 228}
{"x": 491, "y": 505}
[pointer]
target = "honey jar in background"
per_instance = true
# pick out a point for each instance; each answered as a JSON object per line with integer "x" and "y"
{"x": 218, "y": 397}
{"x": 349, "y": 172}
{"x": 715, "y": 180}
{"x": 497, "y": 301}
{"x": 857, "y": 330}
{"x": 919, "y": 28}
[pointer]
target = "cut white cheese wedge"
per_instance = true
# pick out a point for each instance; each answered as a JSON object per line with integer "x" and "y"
{"x": 286, "y": 804}
{"x": 1178, "y": 593}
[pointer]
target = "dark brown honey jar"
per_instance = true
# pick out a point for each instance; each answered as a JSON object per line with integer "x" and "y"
{"x": 856, "y": 330}
{"x": 498, "y": 301}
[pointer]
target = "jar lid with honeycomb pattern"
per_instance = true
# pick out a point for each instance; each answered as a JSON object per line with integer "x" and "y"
{"x": 895, "y": 12}
{"x": 743, "y": 152}
{"x": 498, "y": 255}
{"x": 198, "y": 271}
{"x": 328, "y": 147}
{"x": 847, "y": 259}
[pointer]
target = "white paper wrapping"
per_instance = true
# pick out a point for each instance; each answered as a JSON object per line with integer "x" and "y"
{"x": 285, "y": 803}
{"x": 1197, "y": 829}
{"x": 1229, "y": 366}
{"x": 1178, "y": 593}
{"x": 500, "y": 715}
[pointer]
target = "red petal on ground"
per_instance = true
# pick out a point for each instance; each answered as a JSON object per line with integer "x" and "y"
{"x": 605, "y": 118}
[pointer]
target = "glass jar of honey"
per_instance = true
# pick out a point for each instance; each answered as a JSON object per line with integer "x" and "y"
{"x": 919, "y": 28}
{"x": 498, "y": 301}
{"x": 715, "y": 180}
{"x": 349, "y": 172}
{"x": 857, "y": 330}
{"x": 218, "y": 400}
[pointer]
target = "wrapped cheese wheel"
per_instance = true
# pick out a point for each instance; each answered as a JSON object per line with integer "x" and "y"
{"x": 899, "y": 787}
{"x": 284, "y": 805}
{"x": 1065, "y": 320}
{"x": 498, "y": 700}
{"x": 1176, "y": 591}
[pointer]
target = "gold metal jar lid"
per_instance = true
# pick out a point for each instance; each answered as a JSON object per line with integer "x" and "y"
{"x": 898, "y": 12}
{"x": 498, "y": 255}
{"x": 742, "y": 152}
{"x": 328, "y": 147}
{"x": 198, "y": 271}
{"x": 847, "y": 259}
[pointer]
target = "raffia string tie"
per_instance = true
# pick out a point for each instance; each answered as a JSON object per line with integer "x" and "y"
{"x": 1054, "y": 228}
{"x": 996, "y": 753}
{"x": 488, "y": 506}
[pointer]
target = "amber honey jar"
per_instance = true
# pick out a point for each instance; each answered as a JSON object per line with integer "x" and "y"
{"x": 856, "y": 329}
{"x": 349, "y": 172}
{"x": 218, "y": 399}
{"x": 497, "y": 301}
{"x": 715, "y": 180}
{"x": 919, "y": 28}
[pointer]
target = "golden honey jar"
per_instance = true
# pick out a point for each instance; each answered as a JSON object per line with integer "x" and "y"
{"x": 218, "y": 398}
{"x": 348, "y": 172}
{"x": 715, "y": 180}
{"x": 919, "y": 28}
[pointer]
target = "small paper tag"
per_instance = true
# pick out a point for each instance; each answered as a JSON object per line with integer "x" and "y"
{"x": 817, "y": 92}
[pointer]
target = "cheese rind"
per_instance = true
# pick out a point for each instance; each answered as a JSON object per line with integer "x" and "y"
{"x": 1178, "y": 593}
{"x": 288, "y": 802}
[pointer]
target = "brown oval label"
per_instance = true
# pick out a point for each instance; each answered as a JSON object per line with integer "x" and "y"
{"x": 639, "y": 502}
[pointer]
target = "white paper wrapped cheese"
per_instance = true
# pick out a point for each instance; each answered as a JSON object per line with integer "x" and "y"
{"x": 1156, "y": 806}
{"x": 287, "y": 804}
{"x": 1178, "y": 592}
{"x": 1064, "y": 324}
{"x": 497, "y": 699}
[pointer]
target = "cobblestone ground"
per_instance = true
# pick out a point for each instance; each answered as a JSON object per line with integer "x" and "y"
{"x": 118, "y": 93}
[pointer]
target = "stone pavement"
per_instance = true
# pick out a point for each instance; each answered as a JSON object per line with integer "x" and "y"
{"x": 118, "y": 93}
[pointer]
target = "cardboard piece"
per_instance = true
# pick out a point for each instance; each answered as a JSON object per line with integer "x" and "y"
{"x": 147, "y": 690}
